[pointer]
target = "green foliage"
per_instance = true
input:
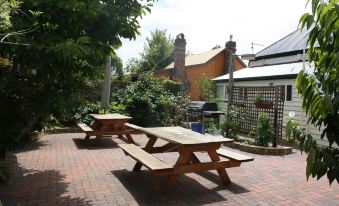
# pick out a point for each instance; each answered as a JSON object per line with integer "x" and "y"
{"x": 320, "y": 90}
{"x": 259, "y": 98}
{"x": 206, "y": 88}
{"x": 235, "y": 112}
{"x": 170, "y": 85}
{"x": 150, "y": 104}
{"x": 67, "y": 46}
{"x": 293, "y": 131}
{"x": 158, "y": 53}
{"x": 117, "y": 66}
{"x": 264, "y": 129}
{"x": 6, "y": 8}
{"x": 81, "y": 114}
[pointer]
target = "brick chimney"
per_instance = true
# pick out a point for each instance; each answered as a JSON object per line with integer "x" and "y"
{"x": 179, "y": 73}
{"x": 230, "y": 48}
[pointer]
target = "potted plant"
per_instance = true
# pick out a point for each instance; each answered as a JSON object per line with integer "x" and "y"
{"x": 265, "y": 131}
{"x": 260, "y": 102}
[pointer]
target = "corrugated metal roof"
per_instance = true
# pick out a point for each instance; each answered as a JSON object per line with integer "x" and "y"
{"x": 197, "y": 59}
{"x": 296, "y": 41}
{"x": 281, "y": 70}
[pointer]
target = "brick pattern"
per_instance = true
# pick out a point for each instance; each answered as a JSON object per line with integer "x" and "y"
{"x": 65, "y": 170}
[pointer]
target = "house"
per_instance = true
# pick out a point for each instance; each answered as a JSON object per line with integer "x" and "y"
{"x": 189, "y": 69}
{"x": 278, "y": 64}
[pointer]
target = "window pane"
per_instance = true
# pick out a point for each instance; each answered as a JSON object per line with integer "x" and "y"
{"x": 226, "y": 92}
{"x": 289, "y": 93}
{"x": 220, "y": 91}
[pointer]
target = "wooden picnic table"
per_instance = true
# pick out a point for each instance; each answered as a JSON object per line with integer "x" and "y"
{"x": 108, "y": 124}
{"x": 186, "y": 143}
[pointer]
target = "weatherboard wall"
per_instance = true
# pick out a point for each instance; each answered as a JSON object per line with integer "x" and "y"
{"x": 295, "y": 105}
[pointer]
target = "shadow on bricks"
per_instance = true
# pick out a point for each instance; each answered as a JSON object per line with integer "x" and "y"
{"x": 233, "y": 187}
{"x": 147, "y": 189}
{"x": 36, "y": 187}
{"x": 93, "y": 144}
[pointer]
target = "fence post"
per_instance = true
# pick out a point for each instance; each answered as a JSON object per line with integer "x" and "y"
{"x": 275, "y": 121}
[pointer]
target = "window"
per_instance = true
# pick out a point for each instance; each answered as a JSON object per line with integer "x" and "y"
{"x": 288, "y": 96}
{"x": 226, "y": 92}
{"x": 287, "y": 90}
{"x": 220, "y": 91}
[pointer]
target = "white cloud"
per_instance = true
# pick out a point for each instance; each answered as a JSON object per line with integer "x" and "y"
{"x": 207, "y": 23}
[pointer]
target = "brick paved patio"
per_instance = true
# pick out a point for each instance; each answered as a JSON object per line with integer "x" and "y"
{"x": 64, "y": 170}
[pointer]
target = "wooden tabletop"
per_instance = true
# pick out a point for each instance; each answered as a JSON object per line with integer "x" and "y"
{"x": 113, "y": 116}
{"x": 179, "y": 135}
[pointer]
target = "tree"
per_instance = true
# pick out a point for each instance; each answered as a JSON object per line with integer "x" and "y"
{"x": 157, "y": 54}
{"x": 68, "y": 47}
{"x": 117, "y": 65}
{"x": 6, "y": 8}
{"x": 206, "y": 88}
{"x": 320, "y": 90}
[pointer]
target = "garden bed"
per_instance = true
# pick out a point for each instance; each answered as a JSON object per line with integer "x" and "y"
{"x": 279, "y": 150}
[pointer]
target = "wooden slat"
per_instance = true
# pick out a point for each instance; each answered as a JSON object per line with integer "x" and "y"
{"x": 133, "y": 126}
{"x": 234, "y": 155}
{"x": 198, "y": 167}
{"x": 179, "y": 135}
{"x": 110, "y": 132}
{"x": 144, "y": 158}
{"x": 85, "y": 127}
{"x": 114, "y": 116}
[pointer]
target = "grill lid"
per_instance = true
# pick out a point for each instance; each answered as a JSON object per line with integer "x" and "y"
{"x": 203, "y": 106}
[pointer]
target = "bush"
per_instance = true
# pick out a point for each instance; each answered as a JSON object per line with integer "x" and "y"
{"x": 265, "y": 130}
{"x": 149, "y": 101}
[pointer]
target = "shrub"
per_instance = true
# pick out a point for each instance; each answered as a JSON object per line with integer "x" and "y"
{"x": 150, "y": 103}
{"x": 207, "y": 89}
{"x": 265, "y": 130}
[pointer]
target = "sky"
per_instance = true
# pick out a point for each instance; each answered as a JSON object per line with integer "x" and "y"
{"x": 206, "y": 23}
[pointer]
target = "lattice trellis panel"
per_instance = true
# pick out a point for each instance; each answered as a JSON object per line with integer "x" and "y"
{"x": 246, "y": 97}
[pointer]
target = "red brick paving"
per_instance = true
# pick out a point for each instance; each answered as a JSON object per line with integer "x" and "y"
{"x": 64, "y": 170}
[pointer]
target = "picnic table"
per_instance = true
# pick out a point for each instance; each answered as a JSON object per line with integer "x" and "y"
{"x": 108, "y": 124}
{"x": 186, "y": 143}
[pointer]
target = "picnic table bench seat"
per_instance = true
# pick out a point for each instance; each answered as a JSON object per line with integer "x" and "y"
{"x": 85, "y": 128}
{"x": 144, "y": 157}
{"x": 234, "y": 155}
{"x": 132, "y": 126}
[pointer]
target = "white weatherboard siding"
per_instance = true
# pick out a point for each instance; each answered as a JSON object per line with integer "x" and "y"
{"x": 295, "y": 105}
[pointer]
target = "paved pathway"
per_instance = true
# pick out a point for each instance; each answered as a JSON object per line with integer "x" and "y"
{"x": 64, "y": 170}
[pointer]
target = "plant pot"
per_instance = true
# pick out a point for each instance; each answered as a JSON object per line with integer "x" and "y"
{"x": 264, "y": 105}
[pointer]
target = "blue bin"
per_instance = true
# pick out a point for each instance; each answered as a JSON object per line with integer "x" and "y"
{"x": 197, "y": 127}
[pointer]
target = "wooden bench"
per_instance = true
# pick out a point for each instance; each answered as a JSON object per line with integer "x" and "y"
{"x": 234, "y": 156}
{"x": 132, "y": 126}
{"x": 85, "y": 128}
{"x": 144, "y": 158}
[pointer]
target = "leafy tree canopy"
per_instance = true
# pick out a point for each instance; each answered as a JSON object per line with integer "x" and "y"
{"x": 6, "y": 7}
{"x": 65, "y": 45}
{"x": 117, "y": 65}
{"x": 320, "y": 91}
{"x": 157, "y": 54}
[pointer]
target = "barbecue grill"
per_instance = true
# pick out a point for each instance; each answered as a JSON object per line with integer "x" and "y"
{"x": 199, "y": 110}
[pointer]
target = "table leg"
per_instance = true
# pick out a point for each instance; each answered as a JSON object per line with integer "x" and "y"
{"x": 194, "y": 159}
{"x": 103, "y": 127}
{"x": 222, "y": 171}
{"x": 128, "y": 136}
{"x": 130, "y": 139}
{"x": 148, "y": 148}
{"x": 184, "y": 158}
